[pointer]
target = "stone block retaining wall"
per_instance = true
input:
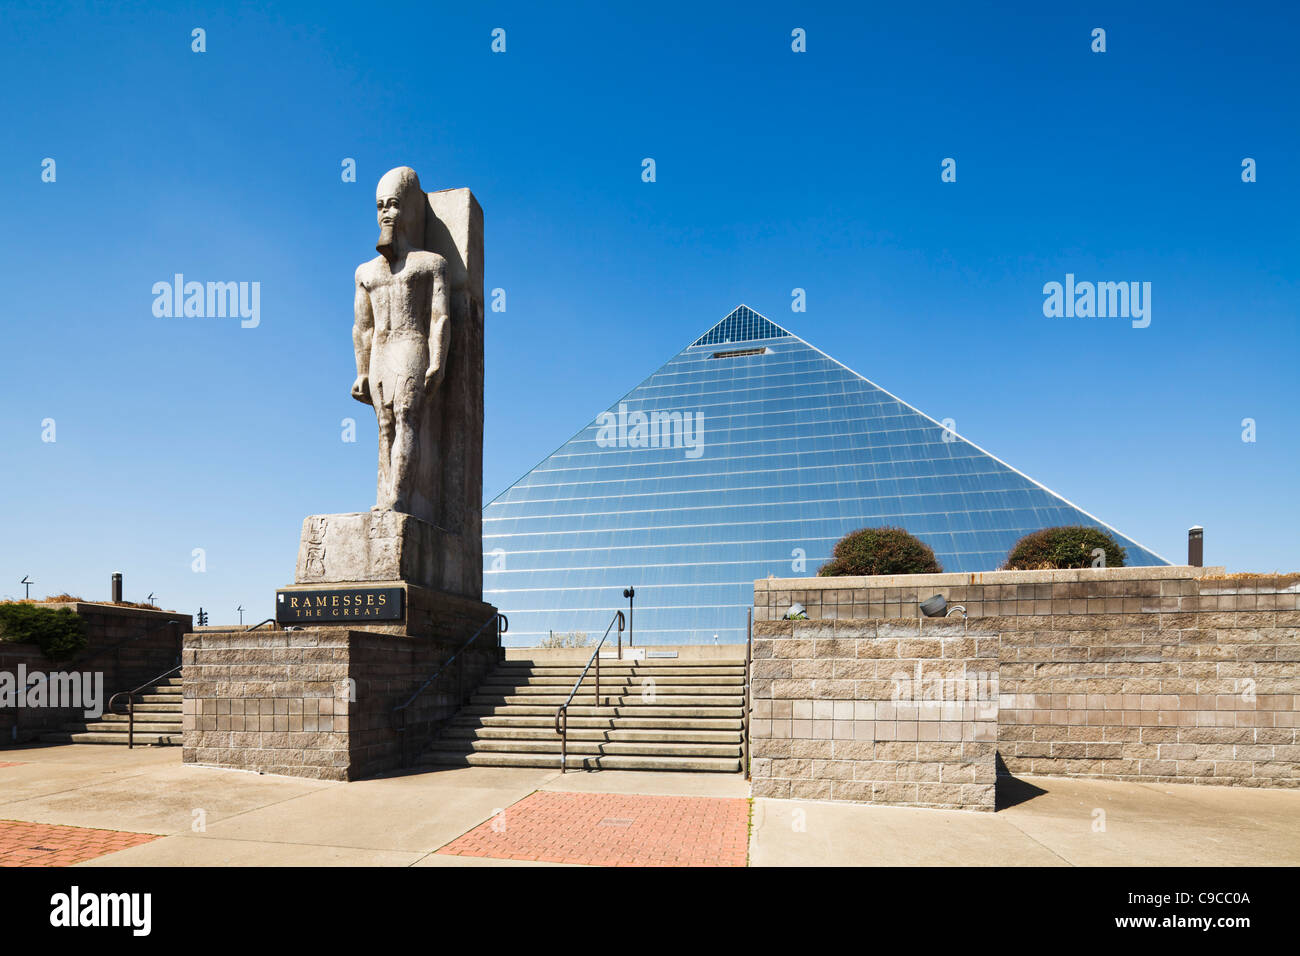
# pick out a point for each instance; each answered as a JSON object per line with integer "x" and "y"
{"x": 1168, "y": 674}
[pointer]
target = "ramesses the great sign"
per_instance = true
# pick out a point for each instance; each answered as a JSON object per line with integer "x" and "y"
{"x": 338, "y": 604}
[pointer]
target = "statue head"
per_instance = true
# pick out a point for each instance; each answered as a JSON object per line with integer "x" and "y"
{"x": 400, "y": 206}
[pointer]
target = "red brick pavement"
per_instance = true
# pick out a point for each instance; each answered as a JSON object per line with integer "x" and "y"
{"x": 606, "y": 829}
{"x": 42, "y": 844}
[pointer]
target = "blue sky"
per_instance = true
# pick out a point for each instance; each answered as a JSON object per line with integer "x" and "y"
{"x": 775, "y": 170}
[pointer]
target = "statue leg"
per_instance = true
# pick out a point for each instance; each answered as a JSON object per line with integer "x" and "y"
{"x": 384, "y": 411}
{"x": 406, "y": 414}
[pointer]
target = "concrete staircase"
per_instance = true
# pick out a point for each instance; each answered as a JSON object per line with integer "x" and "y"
{"x": 652, "y": 715}
{"x": 157, "y": 721}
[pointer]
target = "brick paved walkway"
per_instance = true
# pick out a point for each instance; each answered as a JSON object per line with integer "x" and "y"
{"x": 606, "y": 829}
{"x": 41, "y": 844}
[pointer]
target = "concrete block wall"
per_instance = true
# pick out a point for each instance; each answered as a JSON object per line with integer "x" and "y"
{"x": 318, "y": 702}
{"x": 274, "y": 701}
{"x": 1146, "y": 674}
{"x": 127, "y": 645}
{"x": 875, "y": 712}
{"x": 995, "y": 593}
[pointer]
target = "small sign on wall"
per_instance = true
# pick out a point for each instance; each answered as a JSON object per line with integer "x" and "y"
{"x": 338, "y": 605}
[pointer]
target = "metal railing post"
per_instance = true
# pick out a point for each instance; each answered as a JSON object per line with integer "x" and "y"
{"x": 564, "y": 739}
{"x": 562, "y": 712}
{"x": 130, "y": 722}
{"x": 749, "y": 645}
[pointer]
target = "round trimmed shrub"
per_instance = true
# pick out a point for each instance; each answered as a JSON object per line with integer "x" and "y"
{"x": 1067, "y": 546}
{"x": 880, "y": 551}
{"x": 59, "y": 632}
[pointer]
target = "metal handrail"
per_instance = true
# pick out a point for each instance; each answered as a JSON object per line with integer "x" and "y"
{"x": 749, "y": 656}
{"x": 130, "y": 703}
{"x": 269, "y": 620}
{"x": 562, "y": 714}
{"x": 397, "y": 716}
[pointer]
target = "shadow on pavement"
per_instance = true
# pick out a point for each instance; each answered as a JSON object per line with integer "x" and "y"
{"x": 1012, "y": 790}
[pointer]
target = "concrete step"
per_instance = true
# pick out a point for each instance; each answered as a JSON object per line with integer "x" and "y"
{"x": 153, "y": 716}
{"x": 122, "y": 728}
{"x": 657, "y": 711}
{"x": 660, "y": 715}
{"x": 167, "y": 708}
{"x": 622, "y": 735}
{"x": 587, "y": 699}
{"x": 141, "y": 740}
{"x": 611, "y": 689}
{"x": 498, "y": 679}
{"x": 592, "y": 748}
{"x": 613, "y": 667}
{"x": 453, "y": 758}
{"x": 163, "y": 698}
{"x": 598, "y": 723}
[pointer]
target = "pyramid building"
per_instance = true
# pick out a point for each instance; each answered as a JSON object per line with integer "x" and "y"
{"x": 748, "y": 454}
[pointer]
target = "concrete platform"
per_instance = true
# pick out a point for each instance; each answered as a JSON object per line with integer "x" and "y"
{"x": 401, "y": 820}
{"x": 1050, "y": 821}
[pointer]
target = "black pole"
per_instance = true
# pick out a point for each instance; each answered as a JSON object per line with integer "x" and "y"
{"x": 630, "y": 594}
{"x": 1196, "y": 546}
{"x": 117, "y": 587}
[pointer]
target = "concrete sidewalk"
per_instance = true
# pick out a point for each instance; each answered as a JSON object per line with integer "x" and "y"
{"x": 209, "y": 817}
{"x": 1051, "y": 822}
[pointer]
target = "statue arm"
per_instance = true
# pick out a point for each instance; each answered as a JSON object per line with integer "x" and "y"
{"x": 439, "y": 327}
{"x": 363, "y": 329}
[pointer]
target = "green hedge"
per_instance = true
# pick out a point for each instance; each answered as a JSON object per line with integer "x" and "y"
{"x": 59, "y": 632}
{"x": 880, "y": 551}
{"x": 1067, "y": 546}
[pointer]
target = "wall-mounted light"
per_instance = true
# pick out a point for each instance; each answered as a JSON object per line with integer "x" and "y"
{"x": 937, "y": 606}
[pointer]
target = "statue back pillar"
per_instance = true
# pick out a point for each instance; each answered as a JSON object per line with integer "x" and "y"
{"x": 454, "y": 230}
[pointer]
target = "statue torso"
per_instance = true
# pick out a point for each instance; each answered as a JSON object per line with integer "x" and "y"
{"x": 401, "y": 295}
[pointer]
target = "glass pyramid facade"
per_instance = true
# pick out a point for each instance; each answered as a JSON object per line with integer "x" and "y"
{"x": 749, "y": 453}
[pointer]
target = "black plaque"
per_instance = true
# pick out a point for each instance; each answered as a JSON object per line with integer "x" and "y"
{"x": 338, "y": 605}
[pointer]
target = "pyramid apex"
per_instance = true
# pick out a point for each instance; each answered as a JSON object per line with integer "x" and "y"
{"x": 742, "y": 324}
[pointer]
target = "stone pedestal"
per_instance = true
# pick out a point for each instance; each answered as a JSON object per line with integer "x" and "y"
{"x": 318, "y": 702}
{"x": 372, "y": 546}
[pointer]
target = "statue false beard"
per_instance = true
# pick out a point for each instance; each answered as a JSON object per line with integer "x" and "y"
{"x": 387, "y": 244}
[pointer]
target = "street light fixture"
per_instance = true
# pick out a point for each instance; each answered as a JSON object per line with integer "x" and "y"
{"x": 629, "y": 593}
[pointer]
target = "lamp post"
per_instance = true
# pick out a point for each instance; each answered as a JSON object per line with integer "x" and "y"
{"x": 27, "y": 581}
{"x": 240, "y": 609}
{"x": 629, "y": 593}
